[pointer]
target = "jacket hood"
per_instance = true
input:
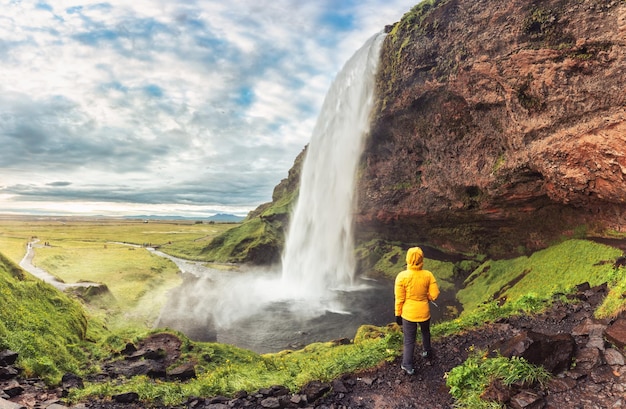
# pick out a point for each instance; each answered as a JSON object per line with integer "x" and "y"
{"x": 415, "y": 258}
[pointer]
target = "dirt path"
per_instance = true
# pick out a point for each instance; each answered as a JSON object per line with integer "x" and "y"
{"x": 40, "y": 273}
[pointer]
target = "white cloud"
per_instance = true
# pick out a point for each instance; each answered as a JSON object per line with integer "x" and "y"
{"x": 202, "y": 102}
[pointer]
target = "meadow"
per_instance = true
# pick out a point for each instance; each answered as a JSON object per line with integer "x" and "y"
{"x": 111, "y": 252}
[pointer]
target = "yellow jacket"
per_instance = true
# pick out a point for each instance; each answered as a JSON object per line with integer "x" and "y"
{"x": 414, "y": 288}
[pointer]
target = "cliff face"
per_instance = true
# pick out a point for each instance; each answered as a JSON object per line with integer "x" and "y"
{"x": 500, "y": 126}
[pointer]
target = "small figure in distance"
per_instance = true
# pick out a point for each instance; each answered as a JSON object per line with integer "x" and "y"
{"x": 414, "y": 289}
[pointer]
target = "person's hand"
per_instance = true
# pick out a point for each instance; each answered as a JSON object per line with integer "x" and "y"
{"x": 398, "y": 320}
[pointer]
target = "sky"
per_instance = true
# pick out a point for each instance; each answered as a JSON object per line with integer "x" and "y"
{"x": 161, "y": 107}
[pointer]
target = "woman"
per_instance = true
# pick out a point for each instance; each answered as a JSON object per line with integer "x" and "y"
{"x": 414, "y": 289}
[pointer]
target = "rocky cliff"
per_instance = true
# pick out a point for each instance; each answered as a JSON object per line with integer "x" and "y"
{"x": 500, "y": 125}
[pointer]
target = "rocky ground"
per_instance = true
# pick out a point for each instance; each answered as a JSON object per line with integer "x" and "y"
{"x": 594, "y": 377}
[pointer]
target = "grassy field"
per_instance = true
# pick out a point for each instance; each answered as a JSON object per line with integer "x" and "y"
{"x": 93, "y": 250}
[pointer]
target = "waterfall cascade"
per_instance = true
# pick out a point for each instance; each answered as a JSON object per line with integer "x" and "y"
{"x": 319, "y": 251}
{"x": 267, "y": 311}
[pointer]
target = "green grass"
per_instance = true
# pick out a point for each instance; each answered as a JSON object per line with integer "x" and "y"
{"x": 555, "y": 269}
{"x": 469, "y": 380}
{"x": 44, "y": 326}
{"x": 89, "y": 250}
{"x": 615, "y": 301}
{"x": 224, "y": 369}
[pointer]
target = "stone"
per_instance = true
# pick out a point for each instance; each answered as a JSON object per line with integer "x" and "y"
{"x": 183, "y": 372}
{"x": 8, "y": 372}
{"x": 616, "y": 332}
{"x": 602, "y": 374}
{"x": 8, "y": 357}
{"x": 216, "y": 406}
{"x": 553, "y": 352}
{"x": 613, "y": 357}
{"x": 587, "y": 359}
{"x": 70, "y": 380}
{"x": 13, "y": 388}
{"x": 315, "y": 390}
{"x": 270, "y": 403}
{"x": 128, "y": 397}
{"x": 496, "y": 391}
{"x": 527, "y": 400}
{"x": 557, "y": 385}
{"x": 6, "y": 404}
{"x": 339, "y": 386}
{"x": 589, "y": 327}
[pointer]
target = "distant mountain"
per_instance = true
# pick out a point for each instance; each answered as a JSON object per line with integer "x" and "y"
{"x": 220, "y": 217}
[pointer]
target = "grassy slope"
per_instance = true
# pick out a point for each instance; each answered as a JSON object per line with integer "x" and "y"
{"x": 43, "y": 325}
{"x": 545, "y": 272}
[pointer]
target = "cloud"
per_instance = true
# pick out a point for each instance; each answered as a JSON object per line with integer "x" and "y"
{"x": 154, "y": 101}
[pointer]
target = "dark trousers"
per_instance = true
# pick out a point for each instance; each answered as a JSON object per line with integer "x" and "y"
{"x": 409, "y": 329}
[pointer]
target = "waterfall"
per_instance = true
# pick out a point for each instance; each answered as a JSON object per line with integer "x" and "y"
{"x": 319, "y": 249}
{"x": 269, "y": 311}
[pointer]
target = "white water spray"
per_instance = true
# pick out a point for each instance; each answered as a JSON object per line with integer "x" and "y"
{"x": 319, "y": 251}
{"x": 262, "y": 309}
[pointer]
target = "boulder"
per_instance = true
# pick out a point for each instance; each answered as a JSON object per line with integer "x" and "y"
{"x": 183, "y": 372}
{"x": 616, "y": 332}
{"x": 8, "y": 357}
{"x": 553, "y": 352}
{"x": 315, "y": 390}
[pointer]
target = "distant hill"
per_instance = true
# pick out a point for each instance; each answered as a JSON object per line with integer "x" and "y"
{"x": 220, "y": 217}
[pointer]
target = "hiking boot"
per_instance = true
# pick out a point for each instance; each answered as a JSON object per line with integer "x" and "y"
{"x": 427, "y": 354}
{"x": 409, "y": 371}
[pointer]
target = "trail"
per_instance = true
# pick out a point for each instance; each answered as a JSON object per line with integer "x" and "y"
{"x": 40, "y": 273}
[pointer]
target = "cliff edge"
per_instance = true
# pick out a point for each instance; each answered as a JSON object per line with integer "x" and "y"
{"x": 500, "y": 126}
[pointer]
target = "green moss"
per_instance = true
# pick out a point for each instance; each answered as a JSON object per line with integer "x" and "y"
{"x": 555, "y": 269}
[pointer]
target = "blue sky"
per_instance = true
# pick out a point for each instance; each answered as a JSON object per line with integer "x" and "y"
{"x": 165, "y": 107}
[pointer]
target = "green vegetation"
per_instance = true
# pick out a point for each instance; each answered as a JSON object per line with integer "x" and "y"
{"x": 54, "y": 334}
{"x": 224, "y": 370}
{"x": 615, "y": 301}
{"x": 93, "y": 250}
{"x": 44, "y": 326}
{"x": 555, "y": 269}
{"x": 469, "y": 380}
